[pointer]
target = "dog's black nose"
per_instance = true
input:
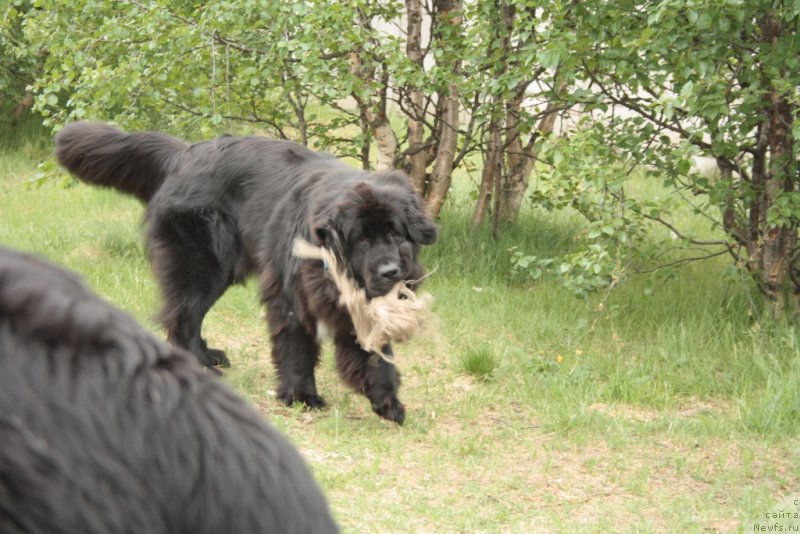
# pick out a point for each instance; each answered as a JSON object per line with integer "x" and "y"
{"x": 389, "y": 271}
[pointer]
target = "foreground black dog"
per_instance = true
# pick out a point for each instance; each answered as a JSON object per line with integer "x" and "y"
{"x": 221, "y": 210}
{"x": 105, "y": 430}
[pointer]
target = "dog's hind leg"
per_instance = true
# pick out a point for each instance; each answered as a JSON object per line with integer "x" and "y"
{"x": 371, "y": 375}
{"x": 193, "y": 255}
{"x": 295, "y": 353}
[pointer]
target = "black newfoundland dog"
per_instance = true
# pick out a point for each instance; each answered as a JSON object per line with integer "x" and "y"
{"x": 221, "y": 210}
{"x": 105, "y": 430}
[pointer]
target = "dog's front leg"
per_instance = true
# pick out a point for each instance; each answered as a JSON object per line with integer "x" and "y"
{"x": 295, "y": 353}
{"x": 371, "y": 375}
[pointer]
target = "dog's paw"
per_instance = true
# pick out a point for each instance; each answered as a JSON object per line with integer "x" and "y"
{"x": 315, "y": 402}
{"x": 391, "y": 409}
{"x": 312, "y": 401}
{"x": 217, "y": 358}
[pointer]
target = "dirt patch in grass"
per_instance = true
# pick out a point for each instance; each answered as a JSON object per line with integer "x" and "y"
{"x": 473, "y": 459}
{"x": 688, "y": 408}
{"x": 499, "y": 470}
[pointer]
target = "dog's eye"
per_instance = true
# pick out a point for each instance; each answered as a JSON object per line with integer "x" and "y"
{"x": 363, "y": 239}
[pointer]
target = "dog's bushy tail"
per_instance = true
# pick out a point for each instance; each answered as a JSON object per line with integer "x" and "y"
{"x": 101, "y": 154}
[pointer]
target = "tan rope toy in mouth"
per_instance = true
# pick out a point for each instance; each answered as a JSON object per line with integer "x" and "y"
{"x": 394, "y": 316}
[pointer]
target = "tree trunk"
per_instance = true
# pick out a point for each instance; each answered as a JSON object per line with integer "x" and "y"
{"x": 448, "y": 12}
{"x": 780, "y": 240}
{"x": 776, "y": 241}
{"x": 520, "y": 158}
{"x": 442, "y": 173}
{"x": 416, "y": 162}
{"x": 365, "y": 148}
{"x": 491, "y": 176}
{"x": 374, "y": 107}
{"x": 758, "y": 206}
{"x": 300, "y": 114}
{"x": 508, "y": 171}
{"x": 498, "y": 188}
{"x": 382, "y": 132}
{"x": 21, "y": 108}
{"x": 492, "y": 169}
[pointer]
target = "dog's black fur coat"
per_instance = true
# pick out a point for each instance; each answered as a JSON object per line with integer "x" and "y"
{"x": 221, "y": 210}
{"x": 105, "y": 430}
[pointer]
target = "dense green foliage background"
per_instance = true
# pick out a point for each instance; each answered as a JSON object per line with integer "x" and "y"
{"x": 580, "y": 97}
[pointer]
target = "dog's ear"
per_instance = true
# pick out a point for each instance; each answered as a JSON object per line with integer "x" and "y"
{"x": 325, "y": 226}
{"x": 330, "y": 222}
{"x": 324, "y": 231}
{"x": 421, "y": 227}
{"x": 323, "y": 234}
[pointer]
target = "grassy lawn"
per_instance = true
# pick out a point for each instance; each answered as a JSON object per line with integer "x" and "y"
{"x": 529, "y": 410}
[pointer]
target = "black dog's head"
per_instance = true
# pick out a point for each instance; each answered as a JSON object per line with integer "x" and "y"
{"x": 377, "y": 227}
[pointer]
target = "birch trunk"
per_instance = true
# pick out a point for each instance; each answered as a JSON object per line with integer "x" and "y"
{"x": 520, "y": 158}
{"x": 416, "y": 162}
{"x": 448, "y": 12}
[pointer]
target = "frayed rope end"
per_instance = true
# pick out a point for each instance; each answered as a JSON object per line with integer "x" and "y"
{"x": 395, "y": 316}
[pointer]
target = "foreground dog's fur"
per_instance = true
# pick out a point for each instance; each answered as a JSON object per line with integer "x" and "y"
{"x": 220, "y": 210}
{"x": 104, "y": 429}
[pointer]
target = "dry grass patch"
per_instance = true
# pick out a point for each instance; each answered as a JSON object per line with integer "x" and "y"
{"x": 499, "y": 470}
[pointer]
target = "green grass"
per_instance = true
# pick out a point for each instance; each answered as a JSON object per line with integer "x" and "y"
{"x": 478, "y": 362}
{"x": 624, "y": 412}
